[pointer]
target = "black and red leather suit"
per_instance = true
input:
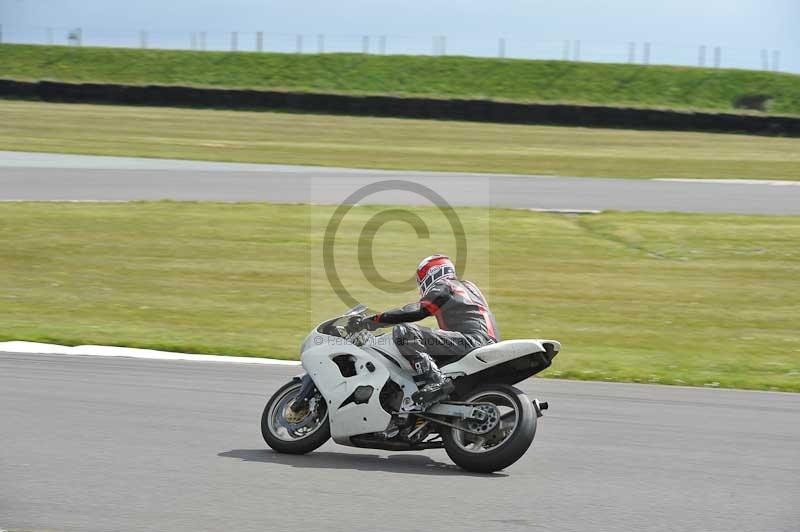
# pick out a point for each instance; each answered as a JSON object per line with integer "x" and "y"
{"x": 465, "y": 323}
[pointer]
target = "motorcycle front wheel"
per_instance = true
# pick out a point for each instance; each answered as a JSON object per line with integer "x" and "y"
{"x": 292, "y": 432}
{"x": 501, "y": 446}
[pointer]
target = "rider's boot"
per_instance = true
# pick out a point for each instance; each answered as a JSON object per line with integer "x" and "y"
{"x": 435, "y": 387}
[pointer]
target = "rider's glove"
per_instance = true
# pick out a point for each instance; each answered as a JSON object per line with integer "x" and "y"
{"x": 361, "y": 323}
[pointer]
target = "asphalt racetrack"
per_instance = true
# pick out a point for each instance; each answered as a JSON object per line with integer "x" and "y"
{"x": 32, "y": 176}
{"x": 113, "y": 444}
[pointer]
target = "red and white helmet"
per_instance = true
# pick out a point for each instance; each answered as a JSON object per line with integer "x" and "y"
{"x": 432, "y": 269}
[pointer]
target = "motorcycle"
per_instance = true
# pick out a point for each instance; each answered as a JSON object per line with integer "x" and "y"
{"x": 359, "y": 390}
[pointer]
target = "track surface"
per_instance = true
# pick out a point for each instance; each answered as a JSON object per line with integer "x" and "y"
{"x": 106, "y": 444}
{"x": 32, "y": 176}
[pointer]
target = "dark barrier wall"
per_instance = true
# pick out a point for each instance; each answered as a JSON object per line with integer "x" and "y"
{"x": 473, "y": 110}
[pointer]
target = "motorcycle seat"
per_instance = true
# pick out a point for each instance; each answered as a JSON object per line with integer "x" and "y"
{"x": 523, "y": 347}
{"x": 512, "y": 348}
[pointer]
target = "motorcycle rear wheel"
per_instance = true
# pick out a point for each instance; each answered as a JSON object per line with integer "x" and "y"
{"x": 297, "y": 436}
{"x": 502, "y": 446}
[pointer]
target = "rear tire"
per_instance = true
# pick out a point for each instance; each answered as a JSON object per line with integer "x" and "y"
{"x": 511, "y": 446}
{"x": 277, "y": 431}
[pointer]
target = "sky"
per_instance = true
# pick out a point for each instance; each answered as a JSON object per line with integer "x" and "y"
{"x": 531, "y": 28}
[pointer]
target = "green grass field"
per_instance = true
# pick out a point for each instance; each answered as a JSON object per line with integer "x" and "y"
{"x": 442, "y": 77}
{"x": 391, "y": 143}
{"x": 664, "y": 298}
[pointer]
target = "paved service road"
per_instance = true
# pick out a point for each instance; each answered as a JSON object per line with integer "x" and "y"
{"x": 109, "y": 444}
{"x": 31, "y": 176}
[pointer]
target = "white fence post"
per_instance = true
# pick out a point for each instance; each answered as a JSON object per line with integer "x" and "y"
{"x": 701, "y": 56}
{"x": 567, "y": 52}
{"x": 776, "y": 60}
{"x": 501, "y": 48}
{"x": 201, "y": 40}
{"x": 234, "y": 41}
{"x": 576, "y": 50}
{"x": 439, "y": 45}
{"x": 646, "y": 54}
{"x": 299, "y": 44}
{"x": 320, "y": 43}
{"x": 365, "y": 44}
{"x": 717, "y": 56}
{"x": 142, "y": 39}
{"x": 49, "y": 32}
{"x": 382, "y": 45}
{"x": 631, "y": 52}
{"x": 260, "y": 41}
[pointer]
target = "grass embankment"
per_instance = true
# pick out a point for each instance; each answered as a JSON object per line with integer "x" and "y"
{"x": 391, "y": 143}
{"x": 667, "y": 298}
{"x": 440, "y": 77}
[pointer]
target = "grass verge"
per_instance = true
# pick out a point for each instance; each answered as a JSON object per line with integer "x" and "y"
{"x": 663, "y": 298}
{"x": 442, "y": 77}
{"x": 391, "y": 143}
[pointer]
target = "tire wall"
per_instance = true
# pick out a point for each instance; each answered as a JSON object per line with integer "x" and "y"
{"x": 389, "y": 106}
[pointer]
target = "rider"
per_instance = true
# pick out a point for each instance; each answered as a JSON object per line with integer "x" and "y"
{"x": 465, "y": 323}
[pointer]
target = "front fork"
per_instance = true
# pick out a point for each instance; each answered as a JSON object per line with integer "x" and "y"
{"x": 306, "y": 392}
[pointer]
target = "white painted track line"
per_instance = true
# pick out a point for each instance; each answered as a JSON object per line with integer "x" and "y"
{"x": 110, "y": 351}
{"x": 772, "y": 183}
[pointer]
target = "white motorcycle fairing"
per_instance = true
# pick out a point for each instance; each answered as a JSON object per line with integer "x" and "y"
{"x": 371, "y": 366}
{"x": 495, "y": 354}
{"x": 351, "y": 377}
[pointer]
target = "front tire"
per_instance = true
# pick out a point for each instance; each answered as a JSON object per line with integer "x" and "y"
{"x": 304, "y": 431}
{"x": 502, "y": 446}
